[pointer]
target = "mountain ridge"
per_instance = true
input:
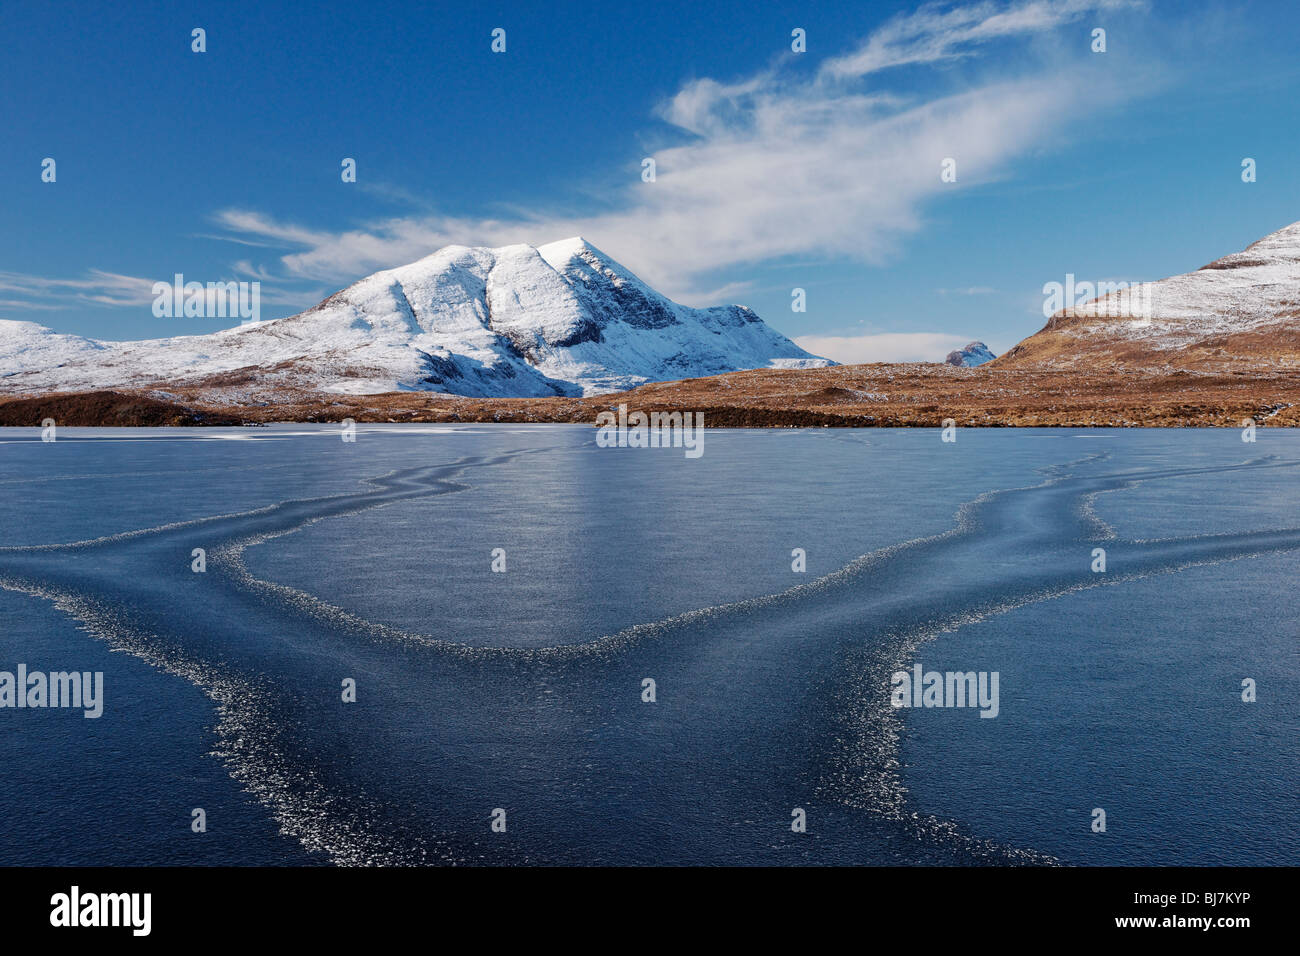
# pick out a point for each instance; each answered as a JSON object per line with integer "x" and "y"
{"x": 972, "y": 355}
{"x": 1243, "y": 308}
{"x": 514, "y": 321}
{"x": 1219, "y": 346}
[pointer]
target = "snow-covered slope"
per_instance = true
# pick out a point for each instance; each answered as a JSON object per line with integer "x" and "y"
{"x": 1238, "y": 312}
{"x": 562, "y": 319}
{"x": 976, "y": 353}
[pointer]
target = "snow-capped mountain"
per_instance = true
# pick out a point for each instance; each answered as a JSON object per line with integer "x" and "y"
{"x": 1239, "y": 312}
{"x": 559, "y": 319}
{"x": 976, "y": 353}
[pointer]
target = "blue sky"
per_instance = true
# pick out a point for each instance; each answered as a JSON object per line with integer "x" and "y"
{"x": 775, "y": 169}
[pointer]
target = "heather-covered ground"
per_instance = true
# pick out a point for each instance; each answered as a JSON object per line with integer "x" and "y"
{"x": 849, "y": 396}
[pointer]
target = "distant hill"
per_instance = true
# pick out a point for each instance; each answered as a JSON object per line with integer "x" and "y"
{"x": 977, "y": 353}
{"x": 1240, "y": 313}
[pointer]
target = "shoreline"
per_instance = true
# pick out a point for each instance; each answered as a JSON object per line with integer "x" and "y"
{"x": 845, "y": 396}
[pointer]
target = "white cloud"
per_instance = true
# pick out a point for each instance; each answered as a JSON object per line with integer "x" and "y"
{"x": 883, "y": 346}
{"x": 95, "y": 287}
{"x": 782, "y": 164}
{"x": 936, "y": 32}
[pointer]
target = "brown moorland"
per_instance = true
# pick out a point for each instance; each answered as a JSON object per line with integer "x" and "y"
{"x": 880, "y": 395}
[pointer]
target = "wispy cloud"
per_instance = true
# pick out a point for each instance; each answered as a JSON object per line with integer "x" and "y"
{"x": 823, "y": 164}
{"x": 27, "y": 293}
{"x": 970, "y": 290}
{"x": 782, "y": 163}
{"x": 96, "y": 287}
{"x": 940, "y": 32}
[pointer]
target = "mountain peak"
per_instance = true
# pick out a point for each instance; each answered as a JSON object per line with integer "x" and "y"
{"x": 512, "y": 321}
{"x": 976, "y": 353}
{"x": 563, "y": 252}
{"x": 576, "y": 243}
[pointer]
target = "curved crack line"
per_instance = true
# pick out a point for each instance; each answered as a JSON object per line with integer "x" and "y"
{"x": 296, "y": 801}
